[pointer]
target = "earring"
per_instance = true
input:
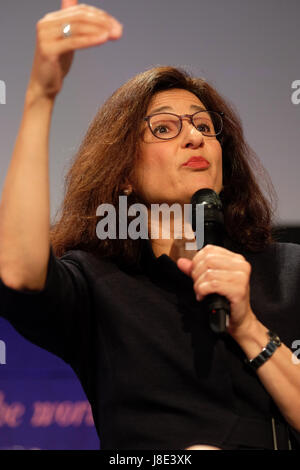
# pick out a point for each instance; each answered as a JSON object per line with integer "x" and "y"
{"x": 127, "y": 191}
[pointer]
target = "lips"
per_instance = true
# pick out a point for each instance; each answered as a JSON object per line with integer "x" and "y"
{"x": 197, "y": 162}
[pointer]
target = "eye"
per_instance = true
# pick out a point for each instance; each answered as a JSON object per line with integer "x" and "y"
{"x": 161, "y": 129}
{"x": 162, "y": 125}
{"x": 204, "y": 123}
{"x": 204, "y": 128}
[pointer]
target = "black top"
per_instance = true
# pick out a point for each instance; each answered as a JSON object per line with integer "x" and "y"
{"x": 155, "y": 375}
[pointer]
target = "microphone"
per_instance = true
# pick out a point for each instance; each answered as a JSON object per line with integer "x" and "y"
{"x": 217, "y": 306}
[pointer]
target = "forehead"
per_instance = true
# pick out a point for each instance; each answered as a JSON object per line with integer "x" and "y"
{"x": 174, "y": 98}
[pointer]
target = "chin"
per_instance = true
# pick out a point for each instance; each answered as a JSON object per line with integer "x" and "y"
{"x": 195, "y": 188}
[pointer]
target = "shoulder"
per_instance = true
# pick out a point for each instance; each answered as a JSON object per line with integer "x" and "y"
{"x": 277, "y": 249}
{"x": 277, "y": 260}
{"x": 277, "y": 256}
{"x": 91, "y": 264}
{"x": 280, "y": 251}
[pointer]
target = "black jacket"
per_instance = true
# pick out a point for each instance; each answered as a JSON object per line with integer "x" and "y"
{"x": 155, "y": 375}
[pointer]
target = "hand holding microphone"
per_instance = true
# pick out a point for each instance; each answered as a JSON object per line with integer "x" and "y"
{"x": 219, "y": 273}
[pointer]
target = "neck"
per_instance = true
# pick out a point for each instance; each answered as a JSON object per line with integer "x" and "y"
{"x": 171, "y": 236}
{"x": 174, "y": 248}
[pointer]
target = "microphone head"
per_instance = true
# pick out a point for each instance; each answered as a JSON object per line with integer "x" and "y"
{"x": 207, "y": 196}
{"x": 213, "y": 213}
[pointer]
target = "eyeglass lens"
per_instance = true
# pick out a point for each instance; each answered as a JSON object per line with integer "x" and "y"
{"x": 166, "y": 126}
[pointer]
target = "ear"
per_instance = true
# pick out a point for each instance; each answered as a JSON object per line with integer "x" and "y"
{"x": 126, "y": 188}
{"x": 127, "y": 191}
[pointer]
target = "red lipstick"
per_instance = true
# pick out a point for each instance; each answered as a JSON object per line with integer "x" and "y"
{"x": 197, "y": 162}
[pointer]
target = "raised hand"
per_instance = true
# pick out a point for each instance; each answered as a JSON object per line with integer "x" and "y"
{"x": 54, "y": 53}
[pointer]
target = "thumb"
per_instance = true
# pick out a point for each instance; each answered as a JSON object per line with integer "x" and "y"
{"x": 185, "y": 265}
{"x": 68, "y": 3}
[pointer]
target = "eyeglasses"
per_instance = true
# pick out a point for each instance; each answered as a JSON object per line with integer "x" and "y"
{"x": 166, "y": 126}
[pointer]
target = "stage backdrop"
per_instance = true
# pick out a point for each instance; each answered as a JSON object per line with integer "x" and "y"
{"x": 248, "y": 49}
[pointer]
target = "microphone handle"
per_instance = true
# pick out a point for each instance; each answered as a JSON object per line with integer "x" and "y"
{"x": 218, "y": 309}
{"x": 217, "y": 306}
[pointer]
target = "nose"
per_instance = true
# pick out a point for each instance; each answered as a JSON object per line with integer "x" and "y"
{"x": 191, "y": 137}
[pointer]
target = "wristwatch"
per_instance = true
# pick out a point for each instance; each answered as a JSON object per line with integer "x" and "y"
{"x": 266, "y": 353}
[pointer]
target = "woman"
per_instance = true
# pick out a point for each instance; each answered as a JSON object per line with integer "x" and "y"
{"x": 127, "y": 314}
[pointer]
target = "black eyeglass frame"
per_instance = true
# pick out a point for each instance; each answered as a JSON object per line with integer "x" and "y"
{"x": 190, "y": 116}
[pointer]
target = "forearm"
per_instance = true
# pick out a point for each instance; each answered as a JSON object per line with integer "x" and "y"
{"x": 279, "y": 375}
{"x": 25, "y": 205}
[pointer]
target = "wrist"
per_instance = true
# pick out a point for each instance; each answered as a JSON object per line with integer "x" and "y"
{"x": 273, "y": 343}
{"x": 34, "y": 95}
{"x": 251, "y": 336}
{"x": 245, "y": 330}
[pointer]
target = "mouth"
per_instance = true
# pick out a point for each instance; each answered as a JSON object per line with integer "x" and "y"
{"x": 196, "y": 162}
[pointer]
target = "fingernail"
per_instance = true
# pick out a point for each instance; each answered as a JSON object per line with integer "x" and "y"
{"x": 116, "y": 27}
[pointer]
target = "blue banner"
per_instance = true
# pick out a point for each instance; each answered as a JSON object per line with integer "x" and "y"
{"x": 42, "y": 404}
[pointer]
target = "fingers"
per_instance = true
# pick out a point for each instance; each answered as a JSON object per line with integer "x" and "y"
{"x": 185, "y": 265}
{"x": 219, "y": 262}
{"x": 93, "y": 26}
{"x": 68, "y": 3}
{"x": 235, "y": 293}
{"x": 83, "y": 13}
{"x": 217, "y": 270}
{"x": 221, "y": 282}
{"x": 89, "y": 27}
{"x": 219, "y": 275}
{"x": 215, "y": 257}
{"x": 216, "y": 250}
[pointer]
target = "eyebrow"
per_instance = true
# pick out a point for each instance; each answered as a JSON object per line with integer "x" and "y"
{"x": 193, "y": 107}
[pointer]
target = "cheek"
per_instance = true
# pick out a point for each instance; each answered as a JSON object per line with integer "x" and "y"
{"x": 218, "y": 150}
{"x": 217, "y": 174}
{"x": 218, "y": 158}
{"x": 153, "y": 171}
{"x": 154, "y": 161}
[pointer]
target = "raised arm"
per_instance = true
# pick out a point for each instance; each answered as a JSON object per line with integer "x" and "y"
{"x": 25, "y": 205}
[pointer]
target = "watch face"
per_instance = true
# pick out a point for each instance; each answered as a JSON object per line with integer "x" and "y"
{"x": 275, "y": 338}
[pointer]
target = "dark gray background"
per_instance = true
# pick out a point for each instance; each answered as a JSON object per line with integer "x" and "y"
{"x": 249, "y": 50}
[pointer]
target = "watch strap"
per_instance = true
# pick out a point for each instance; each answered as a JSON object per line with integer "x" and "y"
{"x": 266, "y": 353}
